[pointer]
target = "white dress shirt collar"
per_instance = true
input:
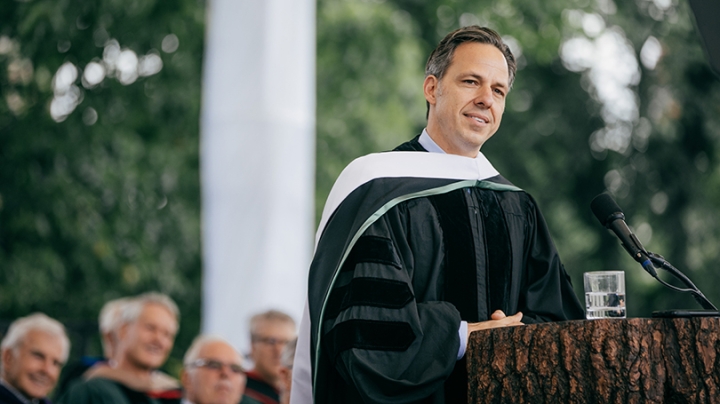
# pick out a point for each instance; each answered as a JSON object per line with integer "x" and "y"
{"x": 430, "y": 145}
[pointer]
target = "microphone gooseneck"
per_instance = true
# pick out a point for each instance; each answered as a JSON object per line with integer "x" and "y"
{"x": 610, "y": 215}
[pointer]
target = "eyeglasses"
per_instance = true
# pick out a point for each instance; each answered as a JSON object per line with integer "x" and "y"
{"x": 217, "y": 365}
{"x": 270, "y": 340}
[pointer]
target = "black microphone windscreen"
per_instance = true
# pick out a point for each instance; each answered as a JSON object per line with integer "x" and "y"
{"x": 604, "y": 206}
{"x": 704, "y": 10}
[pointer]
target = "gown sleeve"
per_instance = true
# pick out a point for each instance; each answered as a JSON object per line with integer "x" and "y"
{"x": 389, "y": 343}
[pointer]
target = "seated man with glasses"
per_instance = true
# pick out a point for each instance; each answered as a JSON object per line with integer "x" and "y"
{"x": 270, "y": 332}
{"x": 212, "y": 372}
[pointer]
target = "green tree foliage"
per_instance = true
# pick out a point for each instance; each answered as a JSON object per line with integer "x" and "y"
{"x": 368, "y": 97}
{"x": 99, "y": 184}
{"x": 584, "y": 116}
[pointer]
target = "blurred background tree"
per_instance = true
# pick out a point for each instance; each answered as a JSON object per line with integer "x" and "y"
{"x": 99, "y": 188}
{"x": 99, "y": 184}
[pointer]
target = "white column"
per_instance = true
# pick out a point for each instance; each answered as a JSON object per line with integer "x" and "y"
{"x": 257, "y": 161}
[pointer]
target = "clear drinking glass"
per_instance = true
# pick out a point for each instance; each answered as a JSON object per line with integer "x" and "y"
{"x": 604, "y": 294}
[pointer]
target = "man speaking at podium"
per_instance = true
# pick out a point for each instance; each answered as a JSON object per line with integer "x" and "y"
{"x": 421, "y": 246}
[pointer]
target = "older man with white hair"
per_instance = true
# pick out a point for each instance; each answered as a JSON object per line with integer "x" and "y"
{"x": 147, "y": 327}
{"x": 212, "y": 372}
{"x": 33, "y": 353}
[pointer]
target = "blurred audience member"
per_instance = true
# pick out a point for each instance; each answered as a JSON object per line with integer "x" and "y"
{"x": 109, "y": 324}
{"x": 110, "y": 321}
{"x": 212, "y": 372}
{"x": 270, "y": 332}
{"x": 33, "y": 353}
{"x": 147, "y": 327}
{"x": 286, "y": 361}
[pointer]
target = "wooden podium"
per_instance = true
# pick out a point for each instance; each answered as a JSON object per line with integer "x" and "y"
{"x": 636, "y": 360}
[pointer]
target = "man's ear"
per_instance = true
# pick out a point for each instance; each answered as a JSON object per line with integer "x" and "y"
{"x": 8, "y": 357}
{"x": 120, "y": 339}
{"x": 253, "y": 351}
{"x": 430, "y": 87}
{"x": 122, "y": 332}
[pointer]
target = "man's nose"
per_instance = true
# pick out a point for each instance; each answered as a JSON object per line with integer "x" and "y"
{"x": 49, "y": 368}
{"x": 484, "y": 96}
{"x": 160, "y": 337}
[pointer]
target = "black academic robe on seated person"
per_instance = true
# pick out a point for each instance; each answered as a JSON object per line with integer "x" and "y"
{"x": 105, "y": 391}
{"x": 402, "y": 261}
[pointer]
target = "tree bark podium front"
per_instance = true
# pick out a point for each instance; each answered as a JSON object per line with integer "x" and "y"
{"x": 637, "y": 360}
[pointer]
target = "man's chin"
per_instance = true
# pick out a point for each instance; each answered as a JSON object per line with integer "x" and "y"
{"x": 152, "y": 362}
{"x": 223, "y": 388}
{"x": 35, "y": 391}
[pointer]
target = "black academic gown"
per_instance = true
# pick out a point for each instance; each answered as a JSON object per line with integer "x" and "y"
{"x": 390, "y": 317}
{"x": 105, "y": 391}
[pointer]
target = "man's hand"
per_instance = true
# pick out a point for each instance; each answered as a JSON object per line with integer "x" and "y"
{"x": 497, "y": 319}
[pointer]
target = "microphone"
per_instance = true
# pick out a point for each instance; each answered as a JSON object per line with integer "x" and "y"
{"x": 612, "y": 217}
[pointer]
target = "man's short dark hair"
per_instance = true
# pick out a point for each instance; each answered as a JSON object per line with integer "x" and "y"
{"x": 441, "y": 57}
